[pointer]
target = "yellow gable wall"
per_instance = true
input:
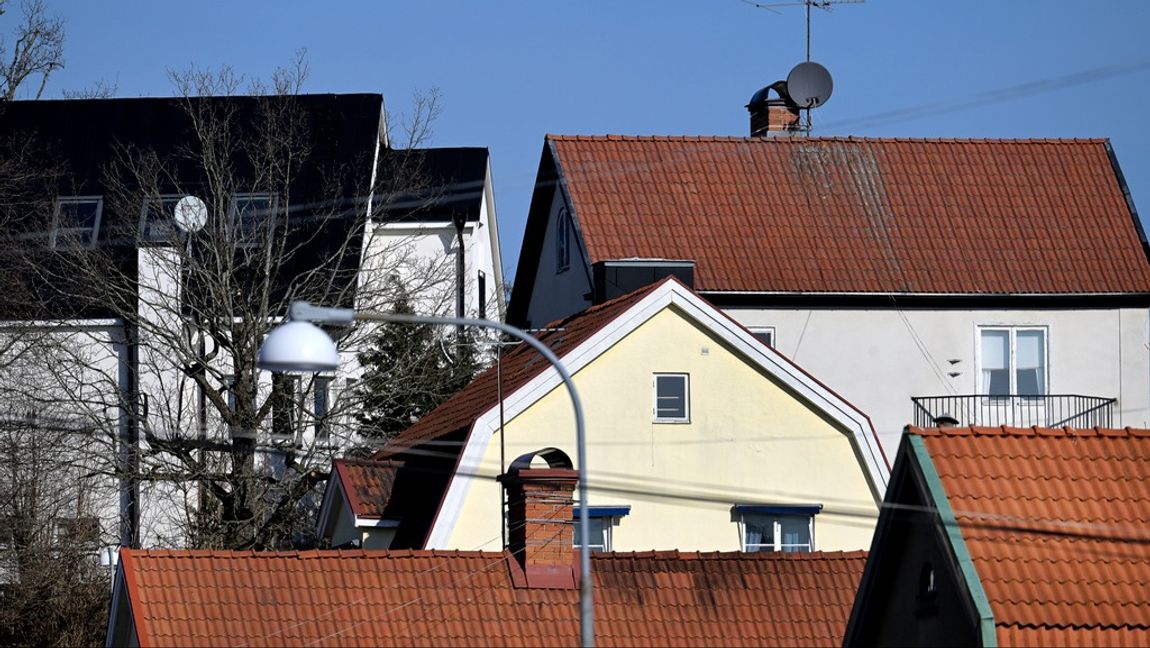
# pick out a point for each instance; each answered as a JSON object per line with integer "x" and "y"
{"x": 748, "y": 441}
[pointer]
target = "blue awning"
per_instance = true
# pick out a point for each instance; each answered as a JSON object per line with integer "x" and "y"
{"x": 779, "y": 509}
{"x": 602, "y": 511}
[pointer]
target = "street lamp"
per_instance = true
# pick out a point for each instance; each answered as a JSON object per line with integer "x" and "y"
{"x": 300, "y": 345}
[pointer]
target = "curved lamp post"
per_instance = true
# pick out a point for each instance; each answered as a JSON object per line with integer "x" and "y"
{"x": 300, "y": 346}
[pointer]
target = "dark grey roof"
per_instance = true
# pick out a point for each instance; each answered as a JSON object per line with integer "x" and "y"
{"x": 82, "y": 138}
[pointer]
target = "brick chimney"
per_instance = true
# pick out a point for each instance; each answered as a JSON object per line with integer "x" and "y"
{"x": 539, "y": 520}
{"x": 773, "y": 115}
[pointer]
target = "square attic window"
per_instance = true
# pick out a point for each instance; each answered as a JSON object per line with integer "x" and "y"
{"x": 158, "y": 219}
{"x": 672, "y": 398}
{"x": 251, "y": 214}
{"x": 77, "y": 222}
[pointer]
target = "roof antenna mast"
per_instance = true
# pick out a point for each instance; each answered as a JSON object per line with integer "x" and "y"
{"x": 812, "y": 76}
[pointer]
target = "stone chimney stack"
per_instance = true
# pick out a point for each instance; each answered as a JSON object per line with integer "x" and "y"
{"x": 539, "y": 519}
{"x": 771, "y": 116}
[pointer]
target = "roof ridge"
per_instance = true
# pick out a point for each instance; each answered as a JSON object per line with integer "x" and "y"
{"x": 612, "y": 137}
{"x": 1035, "y": 430}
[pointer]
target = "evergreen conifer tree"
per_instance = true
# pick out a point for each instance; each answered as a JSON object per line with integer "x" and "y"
{"x": 408, "y": 370}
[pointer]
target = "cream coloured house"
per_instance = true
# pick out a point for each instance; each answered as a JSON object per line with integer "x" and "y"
{"x": 699, "y": 437}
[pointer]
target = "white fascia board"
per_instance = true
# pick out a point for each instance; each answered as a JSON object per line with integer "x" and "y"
{"x": 808, "y": 387}
{"x": 425, "y": 226}
{"x": 380, "y": 141}
{"x": 488, "y": 215}
{"x": 482, "y": 430}
{"x": 74, "y": 325}
{"x": 375, "y": 523}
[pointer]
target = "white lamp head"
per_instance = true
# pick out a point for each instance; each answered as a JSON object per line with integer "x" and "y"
{"x": 298, "y": 347}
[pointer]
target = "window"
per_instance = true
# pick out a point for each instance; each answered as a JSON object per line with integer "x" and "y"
{"x": 250, "y": 213}
{"x": 284, "y": 389}
{"x": 77, "y": 222}
{"x": 1012, "y": 361}
{"x": 600, "y": 521}
{"x": 78, "y": 530}
{"x": 787, "y": 528}
{"x": 158, "y": 218}
{"x": 764, "y": 334}
{"x": 322, "y": 402}
{"x": 562, "y": 241}
{"x": 672, "y": 398}
{"x": 926, "y": 598}
{"x": 481, "y": 289}
{"x": 230, "y": 381}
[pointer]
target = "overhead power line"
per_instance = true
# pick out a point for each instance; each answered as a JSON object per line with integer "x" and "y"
{"x": 997, "y": 95}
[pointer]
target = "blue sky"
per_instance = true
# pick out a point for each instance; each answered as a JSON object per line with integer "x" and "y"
{"x": 512, "y": 71}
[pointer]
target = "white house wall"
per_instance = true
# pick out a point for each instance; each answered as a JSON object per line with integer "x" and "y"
{"x": 879, "y": 359}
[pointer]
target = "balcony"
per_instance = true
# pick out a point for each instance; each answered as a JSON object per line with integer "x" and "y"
{"x": 1060, "y": 410}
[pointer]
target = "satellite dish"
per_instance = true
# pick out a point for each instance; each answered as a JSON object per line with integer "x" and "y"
{"x": 191, "y": 214}
{"x": 809, "y": 85}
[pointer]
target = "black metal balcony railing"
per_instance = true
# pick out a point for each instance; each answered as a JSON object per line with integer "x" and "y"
{"x": 1053, "y": 410}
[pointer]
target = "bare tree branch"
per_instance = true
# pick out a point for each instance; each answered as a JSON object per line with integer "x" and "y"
{"x": 37, "y": 50}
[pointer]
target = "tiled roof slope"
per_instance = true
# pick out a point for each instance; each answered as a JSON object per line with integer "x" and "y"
{"x": 368, "y": 484}
{"x": 518, "y": 367}
{"x": 857, "y": 215}
{"x": 1057, "y": 522}
{"x": 183, "y": 598}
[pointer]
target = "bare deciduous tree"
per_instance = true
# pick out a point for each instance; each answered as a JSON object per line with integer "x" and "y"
{"x": 36, "y": 48}
{"x": 227, "y": 456}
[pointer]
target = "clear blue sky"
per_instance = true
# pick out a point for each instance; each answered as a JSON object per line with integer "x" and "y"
{"x": 513, "y": 70}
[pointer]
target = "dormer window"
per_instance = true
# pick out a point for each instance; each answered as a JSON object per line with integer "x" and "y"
{"x": 777, "y": 527}
{"x": 158, "y": 218}
{"x": 77, "y": 222}
{"x": 251, "y": 214}
{"x": 600, "y": 522}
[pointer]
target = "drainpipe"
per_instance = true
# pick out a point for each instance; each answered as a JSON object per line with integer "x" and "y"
{"x": 459, "y": 219}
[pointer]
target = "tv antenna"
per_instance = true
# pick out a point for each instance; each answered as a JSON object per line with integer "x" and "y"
{"x": 809, "y": 84}
{"x": 825, "y": 5}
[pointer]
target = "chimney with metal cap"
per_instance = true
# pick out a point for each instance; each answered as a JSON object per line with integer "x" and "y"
{"x": 539, "y": 507}
{"x": 773, "y": 115}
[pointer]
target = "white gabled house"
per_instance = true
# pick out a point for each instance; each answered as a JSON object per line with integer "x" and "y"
{"x": 357, "y": 215}
{"x": 989, "y": 281}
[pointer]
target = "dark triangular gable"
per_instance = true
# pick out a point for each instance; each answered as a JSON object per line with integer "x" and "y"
{"x": 548, "y": 180}
{"x": 121, "y": 621}
{"x": 917, "y": 532}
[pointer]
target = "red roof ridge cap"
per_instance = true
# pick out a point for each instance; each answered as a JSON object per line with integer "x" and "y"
{"x": 615, "y": 137}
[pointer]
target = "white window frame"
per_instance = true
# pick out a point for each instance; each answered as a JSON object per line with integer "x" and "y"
{"x": 292, "y": 411}
{"x": 686, "y": 418}
{"x": 606, "y": 521}
{"x": 1012, "y": 364}
{"x": 563, "y": 240}
{"x": 239, "y": 237}
{"x": 171, "y": 225}
{"x": 322, "y": 420}
{"x": 760, "y": 330}
{"x": 776, "y": 520}
{"x": 54, "y": 239}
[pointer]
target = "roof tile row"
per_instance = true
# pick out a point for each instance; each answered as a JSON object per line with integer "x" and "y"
{"x": 467, "y": 598}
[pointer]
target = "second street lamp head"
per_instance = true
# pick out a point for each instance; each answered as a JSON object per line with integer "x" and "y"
{"x": 298, "y": 347}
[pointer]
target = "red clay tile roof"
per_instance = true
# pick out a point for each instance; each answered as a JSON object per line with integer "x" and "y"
{"x": 1057, "y": 522}
{"x": 518, "y": 367}
{"x": 183, "y": 598}
{"x": 367, "y": 484}
{"x": 858, "y": 215}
